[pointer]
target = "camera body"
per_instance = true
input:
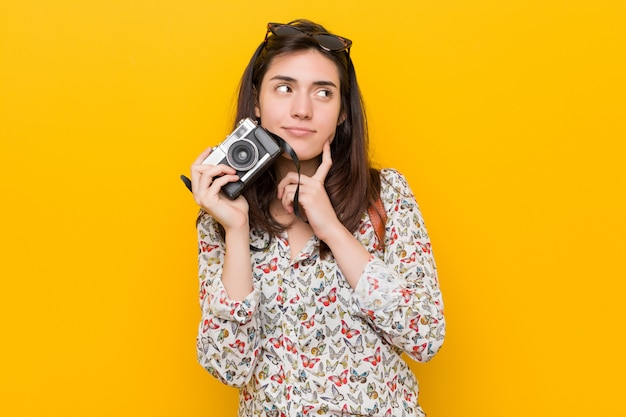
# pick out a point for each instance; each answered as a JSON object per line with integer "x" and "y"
{"x": 250, "y": 150}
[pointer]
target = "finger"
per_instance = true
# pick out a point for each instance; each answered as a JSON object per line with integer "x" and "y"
{"x": 289, "y": 193}
{"x": 290, "y": 178}
{"x": 327, "y": 162}
{"x": 199, "y": 170}
{"x": 221, "y": 181}
{"x": 209, "y": 189}
{"x": 203, "y": 184}
{"x": 203, "y": 175}
{"x": 196, "y": 172}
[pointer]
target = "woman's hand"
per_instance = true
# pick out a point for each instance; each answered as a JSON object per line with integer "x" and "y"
{"x": 206, "y": 183}
{"x": 312, "y": 197}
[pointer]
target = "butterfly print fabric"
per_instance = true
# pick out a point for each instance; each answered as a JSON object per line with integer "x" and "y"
{"x": 304, "y": 342}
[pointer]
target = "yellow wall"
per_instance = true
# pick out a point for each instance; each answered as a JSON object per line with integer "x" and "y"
{"x": 508, "y": 117}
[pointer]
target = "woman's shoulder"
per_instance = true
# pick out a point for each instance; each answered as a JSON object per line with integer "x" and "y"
{"x": 389, "y": 174}
{"x": 393, "y": 181}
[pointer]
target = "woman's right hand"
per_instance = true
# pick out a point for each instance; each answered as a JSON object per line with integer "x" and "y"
{"x": 206, "y": 183}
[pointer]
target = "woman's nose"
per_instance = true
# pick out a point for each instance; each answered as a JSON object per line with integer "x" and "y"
{"x": 301, "y": 107}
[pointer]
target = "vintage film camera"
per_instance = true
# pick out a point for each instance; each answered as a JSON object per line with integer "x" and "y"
{"x": 249, "y": 149}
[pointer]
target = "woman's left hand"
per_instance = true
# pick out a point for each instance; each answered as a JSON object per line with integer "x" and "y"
{"x": 312, "y": 197}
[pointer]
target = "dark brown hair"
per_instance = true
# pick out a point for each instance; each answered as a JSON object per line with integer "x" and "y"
{"x": 352, "y": 184}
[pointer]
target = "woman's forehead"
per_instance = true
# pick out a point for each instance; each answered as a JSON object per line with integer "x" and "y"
{"x": 309, "y": 65}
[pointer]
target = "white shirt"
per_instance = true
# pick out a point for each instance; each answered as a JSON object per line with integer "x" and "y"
{"x": 304, "y": 342}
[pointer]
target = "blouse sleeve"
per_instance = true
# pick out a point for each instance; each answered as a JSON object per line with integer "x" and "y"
{"x": 399, "y": 295}
{"x": 228, "y": 335}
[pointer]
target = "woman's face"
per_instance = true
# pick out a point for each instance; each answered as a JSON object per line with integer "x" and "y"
{"x": 299, "y": 100}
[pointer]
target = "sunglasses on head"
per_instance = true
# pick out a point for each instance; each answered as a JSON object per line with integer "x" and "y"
{"x": 326, "y": 41}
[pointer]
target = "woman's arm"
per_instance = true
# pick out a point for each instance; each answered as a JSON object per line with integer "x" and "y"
{"x": 206, "y": 183}
{"x": 228, "y": 336}
{"x": 229, "y": 331}
{"x": 400, "y": 295}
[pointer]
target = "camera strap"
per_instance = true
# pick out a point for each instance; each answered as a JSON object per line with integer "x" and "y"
{"x": 294, "y": 157}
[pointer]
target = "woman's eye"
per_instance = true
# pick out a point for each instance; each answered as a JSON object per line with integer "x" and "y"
{"x": 283, "y": 88}
{"x": 324, "y": 93}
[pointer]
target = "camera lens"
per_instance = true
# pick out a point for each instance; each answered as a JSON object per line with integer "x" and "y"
{"x": 242, "y": 155}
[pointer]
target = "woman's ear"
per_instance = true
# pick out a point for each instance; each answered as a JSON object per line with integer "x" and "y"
{"x": 342, "y": 118}
{"x": 257, "y": 109}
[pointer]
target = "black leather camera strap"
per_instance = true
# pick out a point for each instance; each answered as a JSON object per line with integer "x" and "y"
{"x": 294, "y": 157}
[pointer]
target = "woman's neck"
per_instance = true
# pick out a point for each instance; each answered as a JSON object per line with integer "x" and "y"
{"x": 285, "y": 165}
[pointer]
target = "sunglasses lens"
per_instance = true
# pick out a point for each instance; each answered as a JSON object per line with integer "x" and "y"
{"x": 286, "y": 30}
{"x": 330, "y": 42}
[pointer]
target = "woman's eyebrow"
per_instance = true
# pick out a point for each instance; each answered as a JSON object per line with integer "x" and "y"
{"x": 326, "y": 83}
{"x": 293, "y": 80}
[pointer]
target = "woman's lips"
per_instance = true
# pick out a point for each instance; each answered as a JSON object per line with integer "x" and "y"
{"x": 298, "y": 131}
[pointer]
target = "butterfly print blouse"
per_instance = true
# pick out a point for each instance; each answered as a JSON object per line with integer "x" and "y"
{"x": 304, "y": 342}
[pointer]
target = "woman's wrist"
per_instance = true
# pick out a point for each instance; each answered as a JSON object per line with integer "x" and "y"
{"x": 350, "y": 254}
{"x": 241, "y": 229}
{"x": 236, "y": 277}
{"x": 237, "y": 241}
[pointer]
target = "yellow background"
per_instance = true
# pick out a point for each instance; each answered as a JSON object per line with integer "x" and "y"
{"x": 508, "y": 117}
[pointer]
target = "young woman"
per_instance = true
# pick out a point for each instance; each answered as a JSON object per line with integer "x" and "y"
{"x": 309, "y": 314}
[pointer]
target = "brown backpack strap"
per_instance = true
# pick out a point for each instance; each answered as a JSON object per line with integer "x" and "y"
{"x": 378, "y": 217}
